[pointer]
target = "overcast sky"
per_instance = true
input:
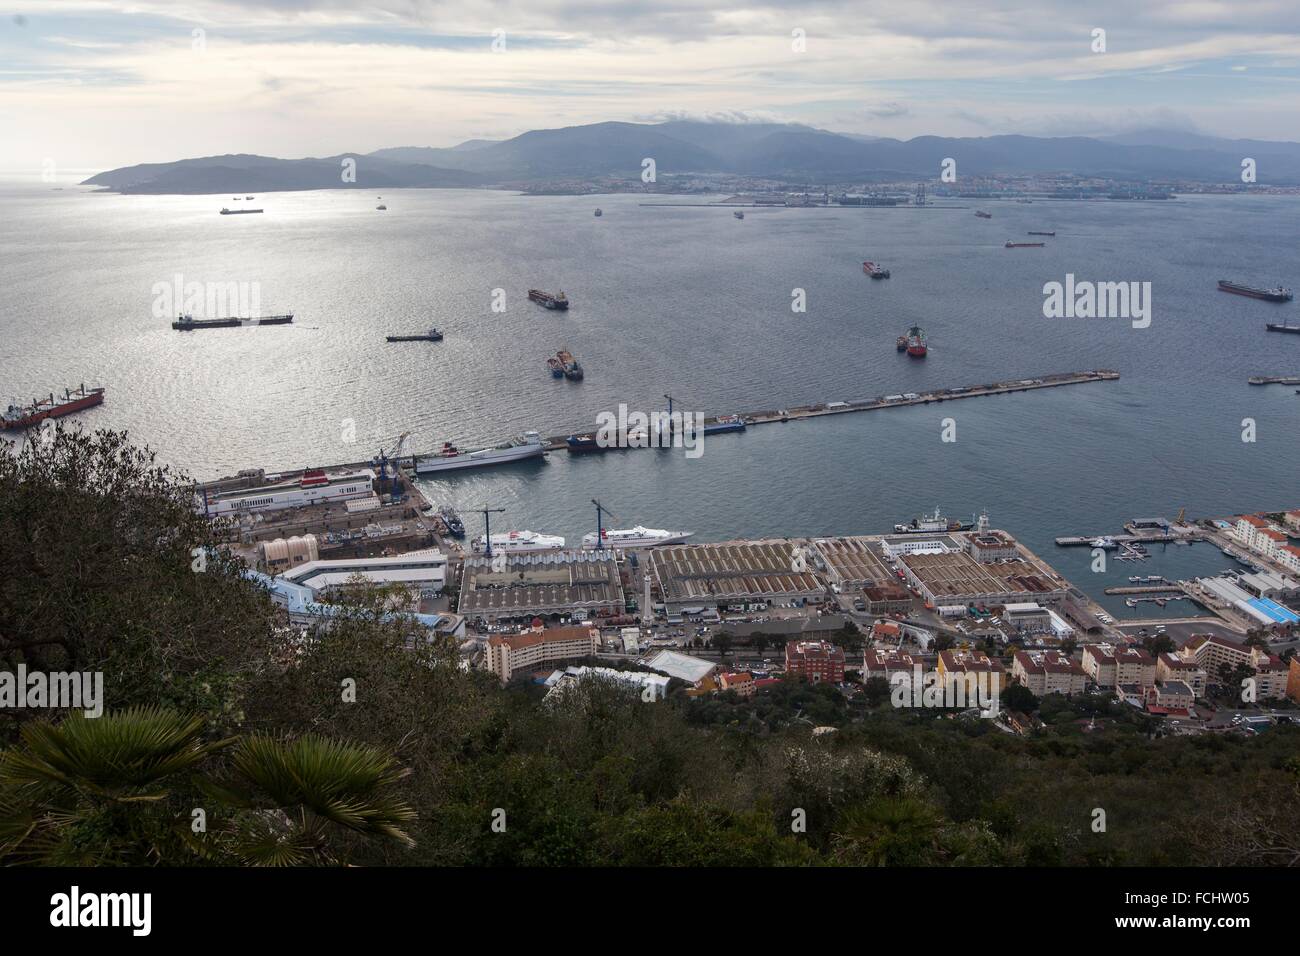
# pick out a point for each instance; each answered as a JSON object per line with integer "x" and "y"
{"x": 93, "y": 84}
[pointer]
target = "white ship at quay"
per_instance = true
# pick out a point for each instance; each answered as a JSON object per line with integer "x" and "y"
{"x": 637, "y": 537}
{"x": 449, "y": 457}
{"x": 516, "y": 541}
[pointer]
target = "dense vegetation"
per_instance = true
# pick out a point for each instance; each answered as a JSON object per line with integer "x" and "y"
{"x": 368, "y": 744}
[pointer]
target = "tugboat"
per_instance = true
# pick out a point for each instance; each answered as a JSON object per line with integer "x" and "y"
{"x": 455, "y": 527}
{"x": 873, "y": 270}
{"x": 546, "y": 300}
{"x": 583, "y": 444}
{"x": 557, "y": 370}
{"x": 901, "y": 342}
{"x": 916, "y": 346}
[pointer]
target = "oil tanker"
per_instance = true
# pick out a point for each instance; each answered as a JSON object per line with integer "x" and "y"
{"x": 1279, "y": 294}
{"x": 1024, "y": 245}
{"x": 546, "y": 300}
{"x": 73, "y": 400}
{"x": 187, "y": 323}
{"x": 916, "y": 346}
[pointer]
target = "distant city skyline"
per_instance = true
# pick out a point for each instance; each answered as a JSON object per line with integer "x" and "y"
{"x": 93, "y": 85}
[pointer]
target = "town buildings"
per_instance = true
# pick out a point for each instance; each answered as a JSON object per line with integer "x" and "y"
{"x": 538, "y": 647}
{"x": 1048, "y": 672}
{"x": 815, "y": 661}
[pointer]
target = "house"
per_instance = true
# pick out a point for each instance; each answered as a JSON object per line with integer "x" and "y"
{"x": 742, "y": 682}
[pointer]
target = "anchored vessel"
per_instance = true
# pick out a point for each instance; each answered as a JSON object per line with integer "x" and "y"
{"x": 73, "y": 400}
{"x": 187, "y": 322}
{"x": 1023, "y": 245}
{"x": 1033, "y": 233}
{"x": 557, "y": 370}
{"x": 237, "y": 212}
{"x": 930, "y": 523}
{"x": 725, "y": 423}
{"x": 1280, "y": 294}
{"x": 570, "y": 367}
{"x": 916, "y": 346}
{"x": 449, "y": 457}
{"x": 983, "y": 215}
{"x": 875, "y": 271}
{"x": 598, "y": 212}
{"x": 545, "y": 299}
{"x": 1282, "y": 327}
{"x": 381, "y": 206}
{"x": 738, "y": 214}
{"x": 515, "y": 541}
{"x": 433, "y": 335}
{"x": 901, "y": 343}
{"x": 637, "y": 537}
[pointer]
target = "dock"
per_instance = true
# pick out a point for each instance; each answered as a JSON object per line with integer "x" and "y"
{"x": 795, "y": 413}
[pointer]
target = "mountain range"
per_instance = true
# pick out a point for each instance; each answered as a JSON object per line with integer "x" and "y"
{"x": 768, "y": 150}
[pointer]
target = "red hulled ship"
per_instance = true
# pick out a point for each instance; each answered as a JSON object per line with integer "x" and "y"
{"x": 73, "y": 400}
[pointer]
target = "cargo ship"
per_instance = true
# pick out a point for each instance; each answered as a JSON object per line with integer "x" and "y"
{"x": 455, "y": 527}
{"x": 73, "y": 400}
{"x": 545, "y": 299}
{"x": 637, "y": 537}
{"x": 557, "y": 370}
{"x": 187, "y": 322}
{"x": 983, "y": 215}
{"x": 1024, "y": 245}
{"x": 513, "y": 542}
{"x": 237, "y": 212}
{"x": 924, "y": 524}
{"x": 1279, "y": 294}
{"x": 916, "y": 346}
{"x": 569, "y": 366}
{"x": 450, "y": 458}
{"x": 875, "y": 271}
{"x": 1032, "y": 233}
{"x": 433, "y": 335}
{"x": 1282, "y": 327}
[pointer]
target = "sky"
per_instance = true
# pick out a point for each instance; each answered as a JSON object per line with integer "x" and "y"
{"x": 87, "y": 85}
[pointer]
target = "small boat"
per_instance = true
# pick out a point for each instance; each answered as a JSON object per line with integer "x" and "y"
{"x": 983, "y": 215}
{"x": 381, "y": 206}
{"x": 598, "y": 212}
{"x": 248, "y": 197}
{"x": 557, "y": 370}
{"x": 875, "y": 271}
{"x": 738, "y": 214}
{"x": 1131, "y": 602}
{"x": 901, "y": 343}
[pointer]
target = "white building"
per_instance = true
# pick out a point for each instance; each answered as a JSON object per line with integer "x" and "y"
{"x": 313, "y": 488}
{"x": 425, "y": 571}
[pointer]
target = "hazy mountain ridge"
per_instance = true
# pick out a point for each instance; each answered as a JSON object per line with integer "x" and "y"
{"x": 767, "y": 150}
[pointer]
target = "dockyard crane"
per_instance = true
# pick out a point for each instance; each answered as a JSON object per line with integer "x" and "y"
{"x": 601, "y": 510}
{"x": 487, "y": 513}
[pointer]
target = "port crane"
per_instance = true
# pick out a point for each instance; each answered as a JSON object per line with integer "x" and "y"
{"x": 381, "y": 459}
{"x": 601, "y": 511}
{"x": 487, "y": 513}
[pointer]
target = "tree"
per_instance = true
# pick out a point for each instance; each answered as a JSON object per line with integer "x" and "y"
{"x": 760, "y": 642}
{"x": 135, "y": 788}
{"x": 722, "y": 642}
{"x": 1019, "y": 697}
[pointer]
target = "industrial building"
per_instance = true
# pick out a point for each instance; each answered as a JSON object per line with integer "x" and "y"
{"x": 693, "y": 577}
{"x": 423, "y": 571}
{"x": 692, "y": 670}
{"x": 303, "y": 607}
{"x": 581, "y": 583}
{"x": 852, "y": 563}
{"x": 651, "y": 687}
{"x": 955, "y": 577}
{"x": 1229, "y": 590}
{"x": 289, "y": 552}
{"x": 312, "y": 488}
